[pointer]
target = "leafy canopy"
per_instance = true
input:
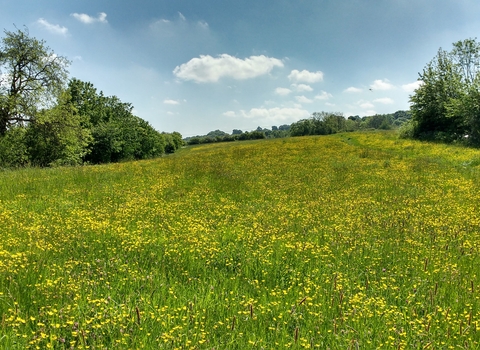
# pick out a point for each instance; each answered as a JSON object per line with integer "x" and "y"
{"x": 31, "y": 78}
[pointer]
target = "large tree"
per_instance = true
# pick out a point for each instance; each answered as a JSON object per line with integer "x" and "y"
{"x": 31, "y": 78}
{"x": 446, "y": 105}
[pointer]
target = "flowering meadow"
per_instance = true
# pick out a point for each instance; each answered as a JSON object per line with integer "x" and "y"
{"x": 349, "y": 241}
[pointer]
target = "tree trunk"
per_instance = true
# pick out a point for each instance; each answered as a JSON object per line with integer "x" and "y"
{"x": 3, "y": 121}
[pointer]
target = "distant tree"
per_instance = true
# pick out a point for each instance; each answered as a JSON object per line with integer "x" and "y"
{"x": 215, "y": 133}
{"x": 194, "y": 140}
{"x": 31, "y": 78}
{"x": 236, "y": 132}
{"x": 302, "y": 128}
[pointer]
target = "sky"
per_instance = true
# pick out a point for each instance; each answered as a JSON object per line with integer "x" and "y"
{"x": 195, "y": 66}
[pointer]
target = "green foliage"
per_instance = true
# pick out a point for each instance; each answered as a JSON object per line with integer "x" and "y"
{"x": 56, "y": 136}
{"x": 446, "y": 106}
{"x": 31, "y": 77}
{"x": 117, "y": 133}
{"x": 13, "y": 149}
{"x": 321, "y": 123}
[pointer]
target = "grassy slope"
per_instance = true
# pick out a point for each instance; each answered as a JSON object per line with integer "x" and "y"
{"x": 352, "y": 240}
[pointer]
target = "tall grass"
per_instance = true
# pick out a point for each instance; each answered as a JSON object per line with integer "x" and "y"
{"x": 347, "y": 241}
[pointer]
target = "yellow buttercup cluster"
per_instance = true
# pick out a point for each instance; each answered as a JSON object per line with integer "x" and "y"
{"x": 347, "y": 241}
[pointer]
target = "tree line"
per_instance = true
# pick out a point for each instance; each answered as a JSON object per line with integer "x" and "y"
{"x": 48, "y": 119}
{"x": 320, "y": 123}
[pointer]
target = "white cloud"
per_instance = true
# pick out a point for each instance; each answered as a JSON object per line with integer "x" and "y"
{"x": 303, "y": 99}
{"x": 366, "y": 104}
{"x": 84, "y": 18}
{"x": 171, "y": 102}
{"x": 305, "y": 76}
{"x": 182, "y": 17}
{"x": 271, "y": 115}
{"x": 384, "y": 100}
{"x": 230, "y": 114}
{"x": 323, "y": 96}
{"x": 381, "y": 85}
{"x": 412, "y": 86}
{"x": 208, "y": 69}
{"x": 53, "y": 28}
{"x": 330, "y": 104}
{"x": 282, "y": 91}
{"x": 353, "y": 89}
{"x": 302, "y": 87}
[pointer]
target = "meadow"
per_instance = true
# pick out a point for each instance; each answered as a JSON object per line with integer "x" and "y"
{"x": 348, "y": 241}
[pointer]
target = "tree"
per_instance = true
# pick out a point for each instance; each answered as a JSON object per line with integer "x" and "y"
{"x": 31, "y": 78}
{"x": 56, "y": 135}
{"x": 117, "y": 133}
{"x": 445, "y": 106}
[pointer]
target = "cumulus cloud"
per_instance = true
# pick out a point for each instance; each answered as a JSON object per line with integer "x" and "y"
{"x": 381, "y": 85}
{"x": 302, "y": 87}
{"x": 323, "y": 96}
{"x": 282, "y": 91}
{"x": 305, "y": 76}
{"x": 352, "y": 89}
{"x": 384, "y": 100}
{"x": 171, "y": 102}
{"x": 303, "y": 99}
{"x": 412, "y": 86}
{"x": 271, "y": 115}
{"x": 84, "y": 18}
{"x": 53, "y": 28}
{"x": 208, "y": 69}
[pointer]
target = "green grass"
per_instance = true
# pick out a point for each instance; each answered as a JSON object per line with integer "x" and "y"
{"x": 349, "y": 241}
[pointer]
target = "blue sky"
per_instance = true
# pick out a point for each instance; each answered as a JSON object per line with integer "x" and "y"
{"x": 195, "y": 66}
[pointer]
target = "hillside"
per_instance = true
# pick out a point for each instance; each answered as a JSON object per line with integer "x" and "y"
{"x": 354, "y": 240}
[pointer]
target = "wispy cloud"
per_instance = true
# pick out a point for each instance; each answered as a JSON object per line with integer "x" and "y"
{"x": 87, "y": 19}
{"x": 305, "y": 76}
{"x": 365, "y": 104}
{"x": 384, "y": 100}
{"x": 53, "y": 28}
{"x": 271, "y": 115}
{"x": 171, "y": 102}
{"x": 208, "y": 69}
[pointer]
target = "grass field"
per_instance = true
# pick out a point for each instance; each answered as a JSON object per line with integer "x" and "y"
{"x": 351, "y": 241}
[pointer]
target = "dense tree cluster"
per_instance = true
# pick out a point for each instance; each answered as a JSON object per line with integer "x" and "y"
{"x": 446, "y": 106}
{"x": 239, "y": 135}
{"x": 47, "y": 119}
{"x": 325, "y": 123}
